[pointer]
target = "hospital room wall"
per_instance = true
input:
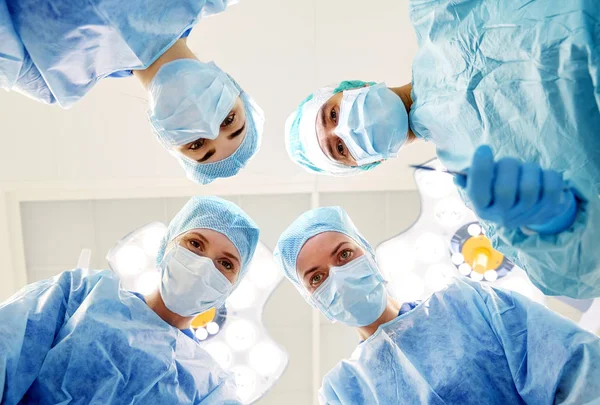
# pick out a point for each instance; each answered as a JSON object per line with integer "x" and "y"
{"x": 54, "y": 232}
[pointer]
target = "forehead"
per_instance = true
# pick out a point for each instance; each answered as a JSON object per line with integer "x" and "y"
{"x": 240, "y": 108}
{"x": 239, "y": 103}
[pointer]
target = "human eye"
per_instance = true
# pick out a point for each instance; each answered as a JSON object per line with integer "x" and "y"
{"x": 228, "y": 120}
{"x": 195, "y": 245}
{"x": 333, "y": 115}
{"x": 340, "y": 147}
{"x": 316, "y": 279}
{"x": 197, "y": 144}
{"x": 227, "y": 265}
{"x": 345, "y": 255}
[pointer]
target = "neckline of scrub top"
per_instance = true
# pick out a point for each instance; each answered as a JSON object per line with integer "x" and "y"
{"x": 404, "y": 309}
{"x": 397, "y": 319}
{"x": 127, "y": 73}
{"x": 188, "y": 332}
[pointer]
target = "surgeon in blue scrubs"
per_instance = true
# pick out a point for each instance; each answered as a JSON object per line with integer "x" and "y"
{"x": 80, "y": 338}
{"x": 56, "y": 51}
{"x": 466, "y": 344}
{"x": 509, "y": 93}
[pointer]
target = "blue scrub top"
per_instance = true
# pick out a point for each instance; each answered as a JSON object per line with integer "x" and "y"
{"x": 188, "y": 332}
{"x": 471, "y": 344}
{"x": 405, "y": 308}
{"x": 127, "y": 73}
{"x": 80, "y": 326}
{"x": 56, "y": 51}
{"x": 521, "y": 76}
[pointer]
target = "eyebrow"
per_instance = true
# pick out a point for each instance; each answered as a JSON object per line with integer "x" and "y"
{"x": 207, "y": 156}
{"x": 309, "y": 272}
{"x": 333, "y": 252}
{"x": 322, "y": 119}
{"x": 330, "y": 150}
{"x": 322, "y": 116}
{"x": 238, "y": 132}
{"x": 200, "y": 236}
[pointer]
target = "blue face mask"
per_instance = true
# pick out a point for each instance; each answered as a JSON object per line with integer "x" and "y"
{"x": 189, "y": 100}
{"x": 353, "y": 294}
{"x": 191, "y": 284}
{"x": 373, "y": 123}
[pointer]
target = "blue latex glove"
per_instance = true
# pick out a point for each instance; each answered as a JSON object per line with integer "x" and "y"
{"x": 515, "y": 194}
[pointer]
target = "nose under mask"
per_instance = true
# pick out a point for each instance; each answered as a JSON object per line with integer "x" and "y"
{"x": 373, "y": 123}
{"x": 189, "y": 100}
{"x": 191, "y": 284}
{"x": 353, "y": 294}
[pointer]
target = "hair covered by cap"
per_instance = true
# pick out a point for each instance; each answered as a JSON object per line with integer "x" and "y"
{"x": 351, "y": 84}
{"x": 301, "y": 134}
{"x": 305, "y": 116}
{"x": 218, "y": 215}
{"x": 307, "y": 225}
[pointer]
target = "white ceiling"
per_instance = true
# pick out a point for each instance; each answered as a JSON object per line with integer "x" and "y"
{"x": 279, "y": 51}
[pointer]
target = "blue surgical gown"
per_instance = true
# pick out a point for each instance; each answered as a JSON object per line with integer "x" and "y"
{"x": 56, "y": 51}
{"x": 79, "y": 338}
{"x": 471, "y": 344}
{"x": 524, "y": 77}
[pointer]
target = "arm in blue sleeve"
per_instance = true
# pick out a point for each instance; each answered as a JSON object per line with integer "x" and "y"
{"x": 567, "y": 263}
{"x": 30, "y": 83}
{"x": 552, "y": 360}
{"x": 12, "y": 51}
{"x": 17, "y": 71}
{"x": 29, "y": 322}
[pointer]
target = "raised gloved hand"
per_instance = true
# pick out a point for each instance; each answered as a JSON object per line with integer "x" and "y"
{"x": 515, "y": 194}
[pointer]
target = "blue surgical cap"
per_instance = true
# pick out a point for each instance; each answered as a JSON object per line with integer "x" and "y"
{"x": 351, "y": 84}
{"x": 307, "y": 225}
{"x": 301, "y": 134}
{"x": 218, "y": 215}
